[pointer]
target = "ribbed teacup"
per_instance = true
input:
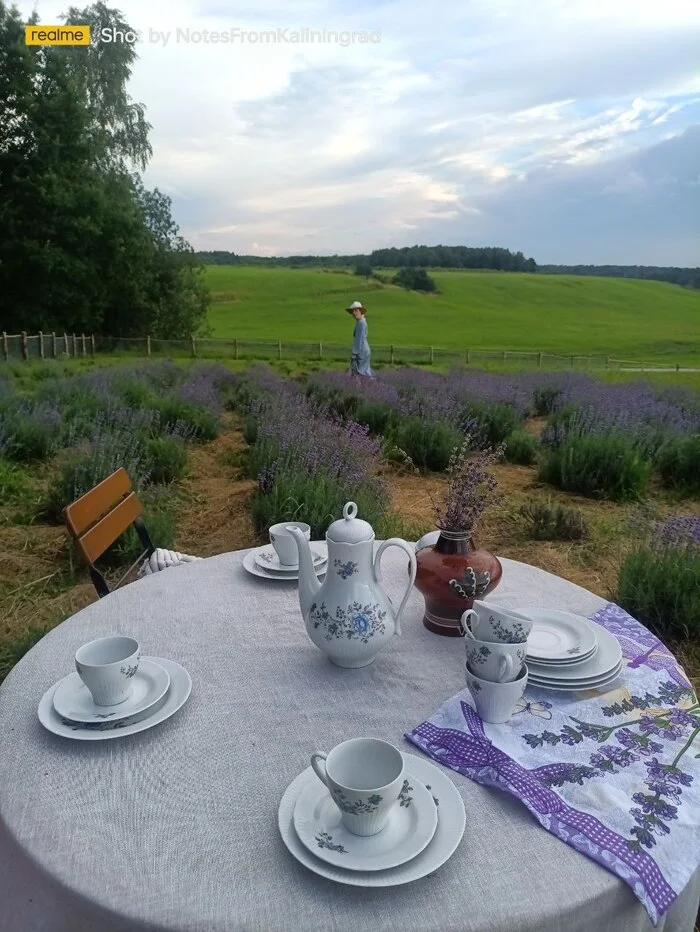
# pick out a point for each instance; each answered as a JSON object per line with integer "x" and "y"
{"x": 365, "y": 777}
{"x": 107, "y": 667}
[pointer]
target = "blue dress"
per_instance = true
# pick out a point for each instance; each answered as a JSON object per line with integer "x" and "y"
{"x": 361, "y": 352}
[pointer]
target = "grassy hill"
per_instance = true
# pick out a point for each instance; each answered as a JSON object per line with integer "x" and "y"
{"x": 624, "y": 318}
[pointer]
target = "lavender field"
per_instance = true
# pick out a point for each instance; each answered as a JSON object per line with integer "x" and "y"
{"x": 601, "y": 482}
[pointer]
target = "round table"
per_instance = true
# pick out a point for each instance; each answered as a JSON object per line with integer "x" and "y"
{"x": 176, "y": 827}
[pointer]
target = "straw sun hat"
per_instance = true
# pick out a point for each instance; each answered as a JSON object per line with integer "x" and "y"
{"x": 354, "y": 306}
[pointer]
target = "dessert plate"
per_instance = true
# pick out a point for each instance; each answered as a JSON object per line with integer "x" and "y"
{"x": 448, "y": 834}
{"x": 558, "y": 636}
{"x": 266, "y": 558}
{"x": 73, "y": 700}
{"x": 411, "y": 825}
{"x": 174, "y": 699}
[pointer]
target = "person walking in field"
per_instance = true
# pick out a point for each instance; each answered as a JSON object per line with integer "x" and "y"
{"x": 361, "y": 353}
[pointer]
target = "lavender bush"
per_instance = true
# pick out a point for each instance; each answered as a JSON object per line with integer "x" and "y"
{"x": 678, "y": 462}
{"x": 308, "y": 462}
{"x": 598, "y": 466}
{"x": 138, "y": 417}
{"x": 659, "y": 581}
{"x": 29, "y": 429}
{"x": 85, "y": 466}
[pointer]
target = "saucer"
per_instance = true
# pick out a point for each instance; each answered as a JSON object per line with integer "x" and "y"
{"x": 250, "y": 566}
{"x": 448, "y": 834}
{"x": 266, "y": 558}
{"x": 411, "y": 825}
{"x": 73, "y": 700}
{"x": 174, "y": 699}
{"x": 558, "y": 636}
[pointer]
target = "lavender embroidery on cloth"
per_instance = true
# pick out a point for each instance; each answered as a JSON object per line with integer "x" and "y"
{"x": 558, "y": 755}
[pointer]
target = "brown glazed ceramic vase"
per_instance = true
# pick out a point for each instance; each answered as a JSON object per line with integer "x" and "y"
{"x": 450, "y": 575}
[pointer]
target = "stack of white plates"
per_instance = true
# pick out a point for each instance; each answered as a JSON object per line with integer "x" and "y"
{"x": 567, "y": 652}
{"x": 422, "y": 833}
{"x": 160, "y": 688}
{"x": 264, "y": 562}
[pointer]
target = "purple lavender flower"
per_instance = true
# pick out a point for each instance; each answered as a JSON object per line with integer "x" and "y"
{"x": 648, "y": 724}
{"x": 678, "y": 532}
{"x": 610, "y": 757}
{"x": 471, "y": 488}
{"x": 681, "y": 717}
{"x": 653, "y": 805}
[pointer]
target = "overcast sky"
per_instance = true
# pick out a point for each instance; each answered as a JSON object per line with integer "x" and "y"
{"x": 568, "y": 129}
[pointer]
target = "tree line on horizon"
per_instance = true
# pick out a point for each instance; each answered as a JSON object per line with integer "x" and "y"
{"x": 687, "y": 277}
{"x": 459, "y": 257}
{"x": 450, "y": 257}
{"x": 84, "y": 245}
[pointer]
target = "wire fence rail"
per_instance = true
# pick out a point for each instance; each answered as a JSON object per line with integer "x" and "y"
{"x": 25, "y": 346}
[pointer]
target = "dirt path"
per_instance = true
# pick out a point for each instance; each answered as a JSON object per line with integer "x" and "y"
{"x": 215, "y": 516}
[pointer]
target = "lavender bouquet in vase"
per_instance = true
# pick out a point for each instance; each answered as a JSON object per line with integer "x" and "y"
{"x": 454, "y": 571}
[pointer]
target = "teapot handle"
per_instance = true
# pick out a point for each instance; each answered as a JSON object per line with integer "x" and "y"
{"x": 397, "y": 542}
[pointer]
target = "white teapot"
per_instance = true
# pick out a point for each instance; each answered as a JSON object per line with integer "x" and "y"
{"x": 349, "y": 616}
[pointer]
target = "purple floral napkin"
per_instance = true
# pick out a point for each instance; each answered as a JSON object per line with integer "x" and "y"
{"x": 571, "y": 757}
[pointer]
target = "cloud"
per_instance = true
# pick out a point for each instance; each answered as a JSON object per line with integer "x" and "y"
{"x": 559, "y": 127}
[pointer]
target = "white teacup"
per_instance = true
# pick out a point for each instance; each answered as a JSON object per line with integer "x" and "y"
{"x": 283, "y": 542}
{"x": 494, "y": 661}
{"x": 107, "y": 666}
{"x": 495, "y": 701}
{"x": 365, "y": 777}
{"x": 498, "y": 625}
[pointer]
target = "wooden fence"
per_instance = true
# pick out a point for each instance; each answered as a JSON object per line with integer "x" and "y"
{"x": 24, "y": 346}
{"x": 46, "y": 345}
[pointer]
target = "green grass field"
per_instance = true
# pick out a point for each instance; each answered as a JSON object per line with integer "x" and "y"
{"x": 560, "y": 314}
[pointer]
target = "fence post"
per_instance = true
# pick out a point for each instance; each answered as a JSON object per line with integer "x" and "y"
{"x": 5, "y": 347}
{"x": 148, "y": 345}
{"x": 235, "y": 349}
{"x": 432, "y": 355}
{"x": 194, "y": 345}
{"x": 469, "y": 356}
{"x": 279, "y": 349}
{"x": 572, "y": 362}
{"x": 539, "y": 360}
{"x": 54, "y": 345}
{"x": 678, "y": 367}
{"x": 92, "y": 344}
{"x": 320, "y": 350}
{"x": 607, "y": 362}
{"x": 41, "y": 344}
{"x": 75, "y": 346}
{"x": 391, "y": 355}
{"x": 25, "y": 351}
{"x": 84, "y": 347}
{"x": 505, "y": 356}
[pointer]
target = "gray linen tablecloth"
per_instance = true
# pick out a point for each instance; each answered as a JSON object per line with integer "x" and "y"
{"x": 176, "y": 828}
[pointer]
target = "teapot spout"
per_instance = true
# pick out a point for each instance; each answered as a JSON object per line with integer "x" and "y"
{"x": 309, "y": 584}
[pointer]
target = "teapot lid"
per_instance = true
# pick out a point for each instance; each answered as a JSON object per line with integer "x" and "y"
{"x": 350, "y": 529}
